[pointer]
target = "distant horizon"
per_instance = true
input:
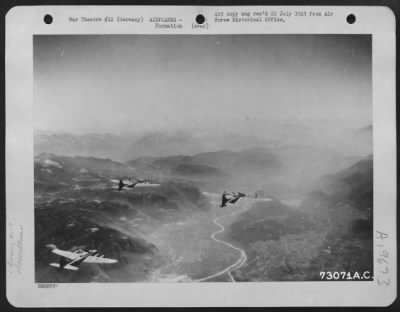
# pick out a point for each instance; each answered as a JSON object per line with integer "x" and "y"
{"x": 146, "y": 132}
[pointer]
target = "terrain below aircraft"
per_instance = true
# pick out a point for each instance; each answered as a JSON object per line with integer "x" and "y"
{"x": 129, "y": 184}
{"x": 70, "y": 260}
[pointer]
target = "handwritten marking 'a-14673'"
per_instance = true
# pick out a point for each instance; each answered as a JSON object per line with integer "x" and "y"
{"x": 382, "y": 259}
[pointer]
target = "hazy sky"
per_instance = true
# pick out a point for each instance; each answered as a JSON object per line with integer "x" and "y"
{"x": 115, "y": 83}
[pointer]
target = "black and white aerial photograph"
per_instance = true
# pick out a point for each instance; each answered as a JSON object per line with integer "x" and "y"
{"x": 203, "y": 158}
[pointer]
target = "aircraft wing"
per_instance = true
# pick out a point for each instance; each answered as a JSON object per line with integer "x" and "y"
{"x": 141, "y": 184}
{"x": 96, "y": 259}
{"x": 258, "y": 199}
{"x": 66, "y": 254}
{"x": 67, "y": 267}
{"x": 123, "y": 188}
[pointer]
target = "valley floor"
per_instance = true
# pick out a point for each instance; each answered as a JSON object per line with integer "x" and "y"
{"x": 196, "y": 249}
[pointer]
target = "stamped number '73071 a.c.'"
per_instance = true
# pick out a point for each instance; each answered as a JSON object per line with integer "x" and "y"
{"x": 328, "y": 275}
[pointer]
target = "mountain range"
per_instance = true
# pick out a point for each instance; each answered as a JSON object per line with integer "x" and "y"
{"x": 131, "y": 145}
{"x": 76, "y": 204}
{"x": 331, "y": 230}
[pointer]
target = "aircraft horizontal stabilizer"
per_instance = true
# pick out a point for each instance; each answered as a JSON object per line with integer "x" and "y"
{"x": 66, "y": 254}
{"x": 116, "y": 187}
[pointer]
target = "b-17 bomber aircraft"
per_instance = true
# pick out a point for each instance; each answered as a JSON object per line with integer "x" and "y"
{"x": 230, "y": 199}
{"x": 70, "y": 260}
{"x": 130, "y": 184}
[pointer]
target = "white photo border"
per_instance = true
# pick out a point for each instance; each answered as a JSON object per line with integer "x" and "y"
{"x": 22, "y": 291}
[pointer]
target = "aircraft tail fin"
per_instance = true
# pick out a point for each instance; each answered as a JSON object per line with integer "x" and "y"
{"x": 51, "y": 246}
{"x": 224, "y": 201}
